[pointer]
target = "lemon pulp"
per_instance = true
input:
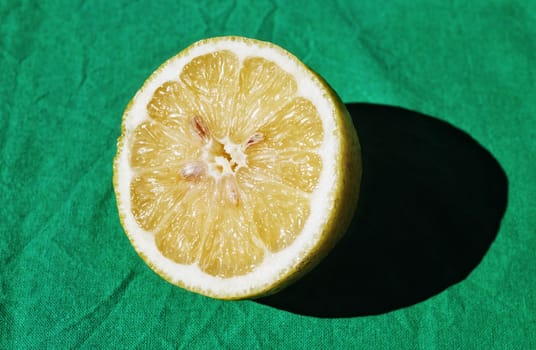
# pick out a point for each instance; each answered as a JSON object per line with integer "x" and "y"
{"x": 225, "y": 164}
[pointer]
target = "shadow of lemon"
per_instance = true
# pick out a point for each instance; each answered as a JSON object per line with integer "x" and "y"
{"x": 431, "y": 204}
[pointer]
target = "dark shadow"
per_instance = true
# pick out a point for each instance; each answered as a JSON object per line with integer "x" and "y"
{"x": 431, "y": 203}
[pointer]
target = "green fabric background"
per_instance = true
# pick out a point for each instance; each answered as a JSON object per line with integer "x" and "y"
{"x": 69, "y": 277}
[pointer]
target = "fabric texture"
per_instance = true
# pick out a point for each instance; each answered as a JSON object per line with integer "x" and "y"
{"x": 69, "y": 277}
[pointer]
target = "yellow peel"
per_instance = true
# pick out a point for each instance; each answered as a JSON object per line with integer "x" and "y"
{"x": 237, "y": 169}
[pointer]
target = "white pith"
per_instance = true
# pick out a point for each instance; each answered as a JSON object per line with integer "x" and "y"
{"x": 275, "y": 265}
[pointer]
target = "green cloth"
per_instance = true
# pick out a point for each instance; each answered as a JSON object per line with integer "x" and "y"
{"x": 69, "y": 277}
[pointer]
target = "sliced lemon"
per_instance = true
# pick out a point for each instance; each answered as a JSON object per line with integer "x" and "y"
{"x": 237, "y": 169}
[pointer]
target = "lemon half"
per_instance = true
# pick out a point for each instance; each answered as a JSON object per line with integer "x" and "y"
{"x": 237, "y": 168}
